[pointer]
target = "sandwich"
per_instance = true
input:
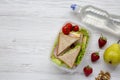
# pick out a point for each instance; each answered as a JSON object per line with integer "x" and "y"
{"x": 69, "y": 49}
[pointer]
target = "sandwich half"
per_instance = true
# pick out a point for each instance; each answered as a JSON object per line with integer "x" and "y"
{"x": 64, "y": 42}
{"x": 69, "y": 57}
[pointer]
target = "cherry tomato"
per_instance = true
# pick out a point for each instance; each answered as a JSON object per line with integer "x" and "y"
{"x": 76, "y": 28}
{"x": 66, "y": 30}
{"x": 69, "y": 25}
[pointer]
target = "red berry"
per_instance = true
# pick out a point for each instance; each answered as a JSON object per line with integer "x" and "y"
{"x": 66, "y": 30}
{"x": 76, "y": 28}
{"x": 102, "y": 41}
{"x": 69, "y": 25}
{"x": 95, "y": 56}
{"x": 87, "y": 70}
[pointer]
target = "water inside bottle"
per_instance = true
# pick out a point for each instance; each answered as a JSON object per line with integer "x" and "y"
{"x": 97, "y": 18}
{"x": 94, "y": 17}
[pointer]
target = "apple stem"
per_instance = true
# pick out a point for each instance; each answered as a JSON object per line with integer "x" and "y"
{"x": 110, "y": 62}
{"x": 118, "y": 42}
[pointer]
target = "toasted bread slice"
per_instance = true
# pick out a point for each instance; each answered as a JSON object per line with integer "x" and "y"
{"x": 69, "y": 57}
{"x": 64, "y": 42}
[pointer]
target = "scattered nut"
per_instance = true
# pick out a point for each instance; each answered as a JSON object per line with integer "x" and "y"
{"x": 103, "y": 76}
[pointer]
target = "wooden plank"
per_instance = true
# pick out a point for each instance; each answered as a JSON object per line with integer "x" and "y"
{"x": 27, "y": 31}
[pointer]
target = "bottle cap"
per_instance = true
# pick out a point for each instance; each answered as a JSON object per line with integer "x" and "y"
{"x": 73, "y": 6}
{"x": 76, "y": 8}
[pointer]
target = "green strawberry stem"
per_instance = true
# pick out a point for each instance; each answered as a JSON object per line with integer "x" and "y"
{"x": 88, "y": 66}
{"x": 97, "y": 53}
{"x": 102, "y": 37}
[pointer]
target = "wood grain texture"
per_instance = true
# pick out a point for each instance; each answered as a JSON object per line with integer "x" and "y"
{"x": 27, "y": 31}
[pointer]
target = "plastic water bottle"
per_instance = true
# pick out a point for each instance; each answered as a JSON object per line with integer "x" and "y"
{"x": 98, "y": 18}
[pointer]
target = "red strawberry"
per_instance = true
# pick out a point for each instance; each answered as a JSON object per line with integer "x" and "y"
{"x": 76, "y": 28}
{"x": 69, "y": 25}
{"x": 87, "y": 70}
{"x": 95, "y": 56}
{"x": 66, "y": 30}
{"x": 102, "y": 41}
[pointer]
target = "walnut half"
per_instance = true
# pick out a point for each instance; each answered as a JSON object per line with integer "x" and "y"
{"x": 103, "y": 76}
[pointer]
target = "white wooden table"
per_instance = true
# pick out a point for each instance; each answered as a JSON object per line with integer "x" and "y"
{"x": 27, "y": 31}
